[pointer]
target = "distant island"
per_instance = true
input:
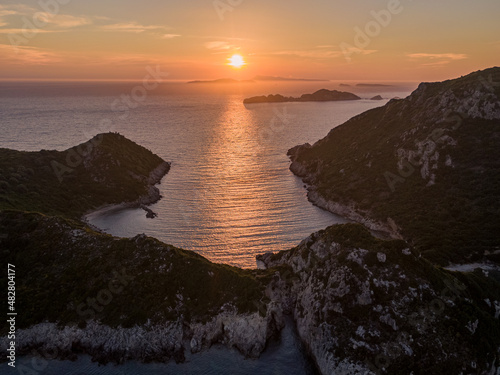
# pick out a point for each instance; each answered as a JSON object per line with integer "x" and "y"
{"x": 273, "y": 78}
{"x": 372, "y": 85}
{"x": 222, "y": 81}
{"x": 257, "y": 79}
{"x": 322, "y": 95}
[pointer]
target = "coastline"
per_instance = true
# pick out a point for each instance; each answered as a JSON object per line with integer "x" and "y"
{"x": 385, "y": 230}
{"x": 388, "y": 230}
{"x": 153, "y": 195}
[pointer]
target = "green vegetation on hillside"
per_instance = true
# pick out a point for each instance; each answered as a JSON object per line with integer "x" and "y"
{"x": 453, "y": 216}
{"x": 105, "y": 170}
{"x": 61, "y": 264}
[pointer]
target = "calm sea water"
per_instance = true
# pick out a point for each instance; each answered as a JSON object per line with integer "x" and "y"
{"x": 229, "y": 195}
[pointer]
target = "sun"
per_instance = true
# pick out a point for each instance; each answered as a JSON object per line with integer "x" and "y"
{"x": 236, "y": 61}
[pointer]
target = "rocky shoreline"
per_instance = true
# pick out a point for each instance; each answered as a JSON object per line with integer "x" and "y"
{"x": 143, "y": 201}
{"x": 248, "y": 333}
{"x": 348, "y": 211}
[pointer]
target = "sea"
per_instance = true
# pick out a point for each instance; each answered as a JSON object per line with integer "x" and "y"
{"x": 229, "y": 195}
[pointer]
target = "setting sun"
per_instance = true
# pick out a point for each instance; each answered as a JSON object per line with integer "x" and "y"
{"x": 236, "y": 61}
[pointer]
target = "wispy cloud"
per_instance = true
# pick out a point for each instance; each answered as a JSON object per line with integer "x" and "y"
{"x": 320, "y": 52}
{"x": 21, "y": 31}
{"x": 18, "y": 8}
{"x": 13, "y": 16}
{"x": 5, "y": 12}
{"x": 170, "y": 36}
{"x": 219, "y": 45}
{"x": 130, "y": 27}
{"x": 448, "y": 56}
{"x": 437, "y": 59}
{"x": 27, "y": 55}
{"x": 66, "y": 21}
{"x": 137, "y": 28}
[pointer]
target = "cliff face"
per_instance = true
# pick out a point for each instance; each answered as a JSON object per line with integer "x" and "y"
{"x": 426, "y": 167}
{"x": 364, "y": 305}
{"x": 163, "y": 342}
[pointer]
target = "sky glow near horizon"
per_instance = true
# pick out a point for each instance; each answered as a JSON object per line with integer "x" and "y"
{"x": 356, "y": 40}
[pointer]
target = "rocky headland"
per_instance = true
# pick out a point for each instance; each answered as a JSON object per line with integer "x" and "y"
{"x": 426, "y": 168}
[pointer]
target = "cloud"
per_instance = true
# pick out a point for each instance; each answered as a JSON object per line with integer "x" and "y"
{"x": 448, "y": 56}
{"x": 320, "y": 52}
{"x": 130, "y": 27}
{"x": 28, "y": 33}
{"x": 220, "y": 46}
{"x": 27, "y": 55}
{"x": 47, "y": 21}
{"x": 66, "y": 21}
{"x": 137, "y": 28}
{"x": 18, "y": 8}
{"x": 4, "y": 12}
{"x": 437, "y": 59}
{"x": 14, "y": 18}
{"x": 170, "y": 36}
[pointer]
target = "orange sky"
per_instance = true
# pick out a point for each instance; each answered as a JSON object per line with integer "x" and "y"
{"x": 355, "y": 40}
